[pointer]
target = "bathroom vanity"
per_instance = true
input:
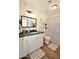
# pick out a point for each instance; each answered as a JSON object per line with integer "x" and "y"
{"x": 30, "y": 39}
{"x": 29, "y": 43}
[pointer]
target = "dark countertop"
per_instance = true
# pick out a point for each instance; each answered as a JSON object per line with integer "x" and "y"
{"x": 29, "y": 34}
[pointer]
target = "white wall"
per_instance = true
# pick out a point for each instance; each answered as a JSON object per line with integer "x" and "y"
{"x": 39, "y": 16}
{"x": 54, "y": 29}
{"x": 36, "y": 14}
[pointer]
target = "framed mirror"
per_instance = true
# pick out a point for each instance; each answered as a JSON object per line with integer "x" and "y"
{"x": 28, "y": 22}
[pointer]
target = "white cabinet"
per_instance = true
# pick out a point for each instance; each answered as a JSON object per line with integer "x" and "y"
{"x": 25, "y": 45}
{"x": 29, "y": 44}
{"x": 22, "y": 47}
{"x": 35, "y": 42}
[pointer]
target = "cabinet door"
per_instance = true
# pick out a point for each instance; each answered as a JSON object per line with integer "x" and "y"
{"x": 21, "y": 47}
{"x": 25, "y": 45}
{"x": 34, "y": 42}
{"x": 39, "y": 40}
{"x": 31, "y": 44}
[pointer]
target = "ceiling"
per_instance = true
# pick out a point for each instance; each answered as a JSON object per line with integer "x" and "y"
{"x": 44, "y": 7}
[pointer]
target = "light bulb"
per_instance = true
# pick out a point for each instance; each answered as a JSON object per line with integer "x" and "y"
{"x": 54, "y": 6}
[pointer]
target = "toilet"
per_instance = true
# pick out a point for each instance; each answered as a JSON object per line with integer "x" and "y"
{"x": 47, "y": 39}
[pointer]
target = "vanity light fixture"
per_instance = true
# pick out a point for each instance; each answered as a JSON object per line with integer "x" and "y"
{"x": 28, "y": 11}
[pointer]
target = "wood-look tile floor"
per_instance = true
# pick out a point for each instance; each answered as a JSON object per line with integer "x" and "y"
{"x": 49, "y": 53}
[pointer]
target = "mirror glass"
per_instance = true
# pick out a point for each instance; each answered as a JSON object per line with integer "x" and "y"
{"x": 32, "y": 22}
{"x": 29, "y": 22}
{"x": 24, "y": 21}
